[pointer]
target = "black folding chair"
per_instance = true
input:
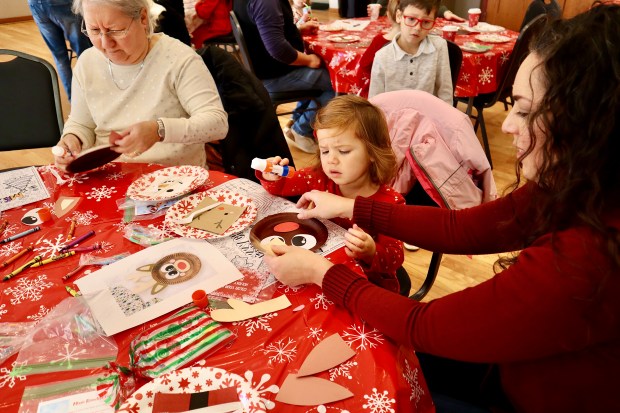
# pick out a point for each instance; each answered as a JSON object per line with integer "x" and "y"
{"x": 31, "y": 112}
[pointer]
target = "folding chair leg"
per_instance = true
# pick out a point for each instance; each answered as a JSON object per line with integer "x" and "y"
{"x": 433, "y": 268}
{"x": 485, "y": 139}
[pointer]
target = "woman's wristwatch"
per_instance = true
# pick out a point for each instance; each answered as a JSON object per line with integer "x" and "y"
{"x": 161, "y": 130}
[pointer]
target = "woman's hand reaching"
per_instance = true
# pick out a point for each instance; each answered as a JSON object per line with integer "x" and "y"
{"x": 295, "y": 266}
{"x": 318, "y": 204}
{"x": 72, "y": 147}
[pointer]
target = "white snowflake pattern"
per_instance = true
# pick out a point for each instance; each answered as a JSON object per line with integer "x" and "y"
{"x": 290, "y": 290}
{"x": 51, "y": 247}
{"x": 280, "y": 352}
{"x": 378, "y": 402}
{"x": 315, "y": 333}
{"x": 360, "y": 338}
{"x": 255, "y": 324}
{"x": 412, "y": 378}
{"x": 73, "y": 179}
{"x": 10, "y": 249}
{"x": 9, "y": 230}
{"x": 120, "y": 226}
{"x": 68, "y": 355}
{"x": 325, "y": 409}
{"x": 354, "y": 90}
{"x": 261, "y": 390}
{"x": 342, "y": 370}
{"x": 2, "y": 310}
{"x": 503, "y": 58}
{"x": 38, "y": 316}
{"x": 100, "y": 193}
{"x": 321, "y": 301}
{"x": 83, "y": 218}
{"x": 105, "y": 247}
{"x": 6, "y": 378}
{"x": 28, "y": 289}
{"x": 115, "y": 176}
{"x": 465, "y": 77}
{"x": 350, "y": 55}
{"x": 485, "y": 76}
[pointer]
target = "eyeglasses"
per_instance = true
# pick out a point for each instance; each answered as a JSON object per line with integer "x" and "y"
{"x": 112, "y": 34}
{"x": 412, "y": 21}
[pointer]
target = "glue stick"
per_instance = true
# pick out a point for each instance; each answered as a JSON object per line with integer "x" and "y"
{"x": 266, "y": 166}
{"x": 60, "y": 151}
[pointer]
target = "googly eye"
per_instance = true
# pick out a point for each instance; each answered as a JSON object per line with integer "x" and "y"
{"x": 306, "y": 241}
{"x": 36, "y": 216}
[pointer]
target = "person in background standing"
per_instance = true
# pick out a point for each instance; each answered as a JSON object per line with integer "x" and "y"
{"x": 57, "y": 24}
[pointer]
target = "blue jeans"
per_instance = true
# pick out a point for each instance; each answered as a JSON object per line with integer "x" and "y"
{"x": 56, "y": 22}
{"x": 304, "y": 78}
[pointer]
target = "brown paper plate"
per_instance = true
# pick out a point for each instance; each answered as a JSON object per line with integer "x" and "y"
{"x": 310, "y": 234}
{"x": 92, "y": 158}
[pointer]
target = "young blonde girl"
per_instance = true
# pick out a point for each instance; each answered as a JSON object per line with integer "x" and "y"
{"x": 356, "y": 159}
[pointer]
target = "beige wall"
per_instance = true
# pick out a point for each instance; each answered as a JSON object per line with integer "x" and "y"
{"x": 13, "y": 8}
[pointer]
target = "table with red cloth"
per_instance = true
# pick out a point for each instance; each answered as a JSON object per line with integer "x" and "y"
{"x": 382, "y": 376}
{"x": 479, "y": 71}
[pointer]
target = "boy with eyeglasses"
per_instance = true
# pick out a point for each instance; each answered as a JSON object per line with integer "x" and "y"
{"x": 414, "y": 60}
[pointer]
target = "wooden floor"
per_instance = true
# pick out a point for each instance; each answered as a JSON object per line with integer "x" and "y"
{"x": 456, "y": 272}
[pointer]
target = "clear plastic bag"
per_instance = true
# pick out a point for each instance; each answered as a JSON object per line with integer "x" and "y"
{"x": 12, "y": 336}
{"x": 144, "y": 236}
{"x": 67, "y": 338}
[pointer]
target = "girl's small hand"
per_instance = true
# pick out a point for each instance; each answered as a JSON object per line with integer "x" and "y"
{"x": 276, "y": 160}
{"x": 310, "y": 27}
{"x": 318, "y": 204}
{"x": 137, "y": 139}
{"x": 294, "y": 266}
{"x": 72, "y": 146}
{"x": 359, "y": 245}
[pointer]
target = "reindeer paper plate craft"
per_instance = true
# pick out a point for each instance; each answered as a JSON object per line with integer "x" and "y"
{"x": 286, "y": 229}
{"x": 169, "y": 270}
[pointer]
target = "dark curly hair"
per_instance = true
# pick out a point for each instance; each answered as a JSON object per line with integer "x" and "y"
{"x": 579, "y": 174}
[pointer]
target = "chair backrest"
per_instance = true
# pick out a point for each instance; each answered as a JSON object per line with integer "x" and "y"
{"x": 538, "y": 7}
{"x": 243, "y": 47}
{"x": 254, "y": 130}
{"x": 519, "y": 53}
{"x": 31, "y": 112}
{"x": 455, "y": 54}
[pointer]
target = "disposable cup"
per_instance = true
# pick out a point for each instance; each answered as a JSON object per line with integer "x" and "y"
{"x": 374, "y": 11}
{"x": 449, "y": 32}
{"x": 474, "y": 16}
{"x": 200, "y": 299}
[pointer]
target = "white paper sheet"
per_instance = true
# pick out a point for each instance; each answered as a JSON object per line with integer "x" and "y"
{"x": 153, "y": 282}
{"x": 20, "y": 187}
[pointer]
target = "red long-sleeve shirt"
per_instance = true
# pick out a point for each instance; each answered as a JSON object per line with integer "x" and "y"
{"x": 551, "y": 321}
{"x": 216, "y": 20}
{"x": 389, "y": 255}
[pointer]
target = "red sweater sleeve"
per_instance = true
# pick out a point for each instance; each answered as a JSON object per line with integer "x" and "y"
{"x": 480, "y": 230}
{"x": 302, "y": 181}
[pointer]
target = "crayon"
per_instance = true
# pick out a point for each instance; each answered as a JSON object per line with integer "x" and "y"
{"x": 3, "y": 226}
{"x": 72, "y": 291}
{"x": 22, "y": 268}
{"x": 20, "y": 235}
{"x": 77, "y": 240}
{"x": 53, "y": 259}
{"x": 16, "y": 256}
{"x": 93, "y": 247}
{"x": 72, "y": 272}
{"x": 71, "y": 230}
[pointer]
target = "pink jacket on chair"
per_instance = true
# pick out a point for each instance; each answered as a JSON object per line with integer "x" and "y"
{"x": 435, "y": 144}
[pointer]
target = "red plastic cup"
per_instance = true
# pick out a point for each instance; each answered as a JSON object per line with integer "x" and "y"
{"x": 200, "y": 299}
{"x": 449, "y": 32}
{"x": 474, "y": 16}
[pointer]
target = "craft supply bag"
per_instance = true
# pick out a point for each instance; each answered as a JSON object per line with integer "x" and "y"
{"x": 180, "y": 340}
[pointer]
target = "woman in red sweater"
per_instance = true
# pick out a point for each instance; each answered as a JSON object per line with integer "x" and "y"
{"x": 543, "y": 335}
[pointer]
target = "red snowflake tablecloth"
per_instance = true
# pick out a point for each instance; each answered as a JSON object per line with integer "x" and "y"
{"x": 479, "y": 71}
{"x": 382, "y": 377}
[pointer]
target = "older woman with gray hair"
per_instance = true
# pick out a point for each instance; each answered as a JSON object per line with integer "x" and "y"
{"x": 151, "y": 89}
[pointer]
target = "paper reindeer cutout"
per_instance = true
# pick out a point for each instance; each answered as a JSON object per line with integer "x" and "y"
{"x": 303, "y": 390}
{"x": 242, "y": 311}
{"x": 218, "y": 219}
